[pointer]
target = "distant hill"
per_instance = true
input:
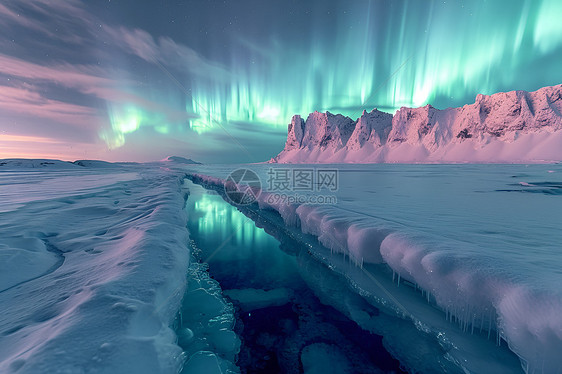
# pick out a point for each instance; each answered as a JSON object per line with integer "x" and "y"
{"x": 93, "y": 163}
{"x": 24, "y": 163}
{"x": 181, "y": 160}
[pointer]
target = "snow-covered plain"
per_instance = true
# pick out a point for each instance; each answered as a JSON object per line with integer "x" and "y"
{"x": 457, "y": 258}
{"x": 92, "y": 268}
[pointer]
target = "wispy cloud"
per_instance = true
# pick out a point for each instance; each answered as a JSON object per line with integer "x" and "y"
{"x": 166, "y": 51}
{"x": 66, "y": 75}
{"x": 25, "y": 139}
{"x": 72, "y": 20}
{"x": 65, "y": 18}
{"x": 58, "y": 92}
{"x": 85, "y": 79}
{"x": 29, "y": 103}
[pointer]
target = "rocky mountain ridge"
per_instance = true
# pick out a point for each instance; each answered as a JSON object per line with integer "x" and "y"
{"x": 511, "y": 126}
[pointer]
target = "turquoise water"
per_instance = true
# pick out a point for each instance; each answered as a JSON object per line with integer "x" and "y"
{"x": 276, "y": 329}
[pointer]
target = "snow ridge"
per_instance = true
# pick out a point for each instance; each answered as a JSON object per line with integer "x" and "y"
{"x": 516, "y": 126}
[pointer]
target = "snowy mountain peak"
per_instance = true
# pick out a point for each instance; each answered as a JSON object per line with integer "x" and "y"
{"x": 372, "y": 127}
{"x": 295, "y": 133}
{"x": 326, "y": 130}
{"x": 515, "y": 126}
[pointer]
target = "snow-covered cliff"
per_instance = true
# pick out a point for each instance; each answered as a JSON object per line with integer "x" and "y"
{"x": 516, "y": 126}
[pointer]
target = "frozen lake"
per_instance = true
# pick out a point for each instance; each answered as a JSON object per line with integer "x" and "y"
{"x": 438, "y": 267}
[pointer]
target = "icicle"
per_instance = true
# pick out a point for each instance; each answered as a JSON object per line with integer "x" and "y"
{"x": 490, "y": 326}
{"x": 466, "y": 319}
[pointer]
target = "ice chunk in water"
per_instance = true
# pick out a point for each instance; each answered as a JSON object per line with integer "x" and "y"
{"x": 321, "y": 358}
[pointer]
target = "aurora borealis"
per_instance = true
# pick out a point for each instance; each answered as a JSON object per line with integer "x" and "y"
{"x": 218, "y": 81}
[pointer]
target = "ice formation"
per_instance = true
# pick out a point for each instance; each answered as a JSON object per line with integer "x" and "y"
{"x": 477, "y": 295}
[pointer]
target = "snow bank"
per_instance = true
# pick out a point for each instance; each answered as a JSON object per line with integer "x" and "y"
{"x": 112, "y": 245}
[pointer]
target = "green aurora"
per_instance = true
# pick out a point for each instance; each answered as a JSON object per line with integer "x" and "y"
{"x": 378, "y": 54}
{"x": 221, "y": 80}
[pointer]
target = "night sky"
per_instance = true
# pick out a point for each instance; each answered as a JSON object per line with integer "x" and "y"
{"x": 218, "y": 81}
